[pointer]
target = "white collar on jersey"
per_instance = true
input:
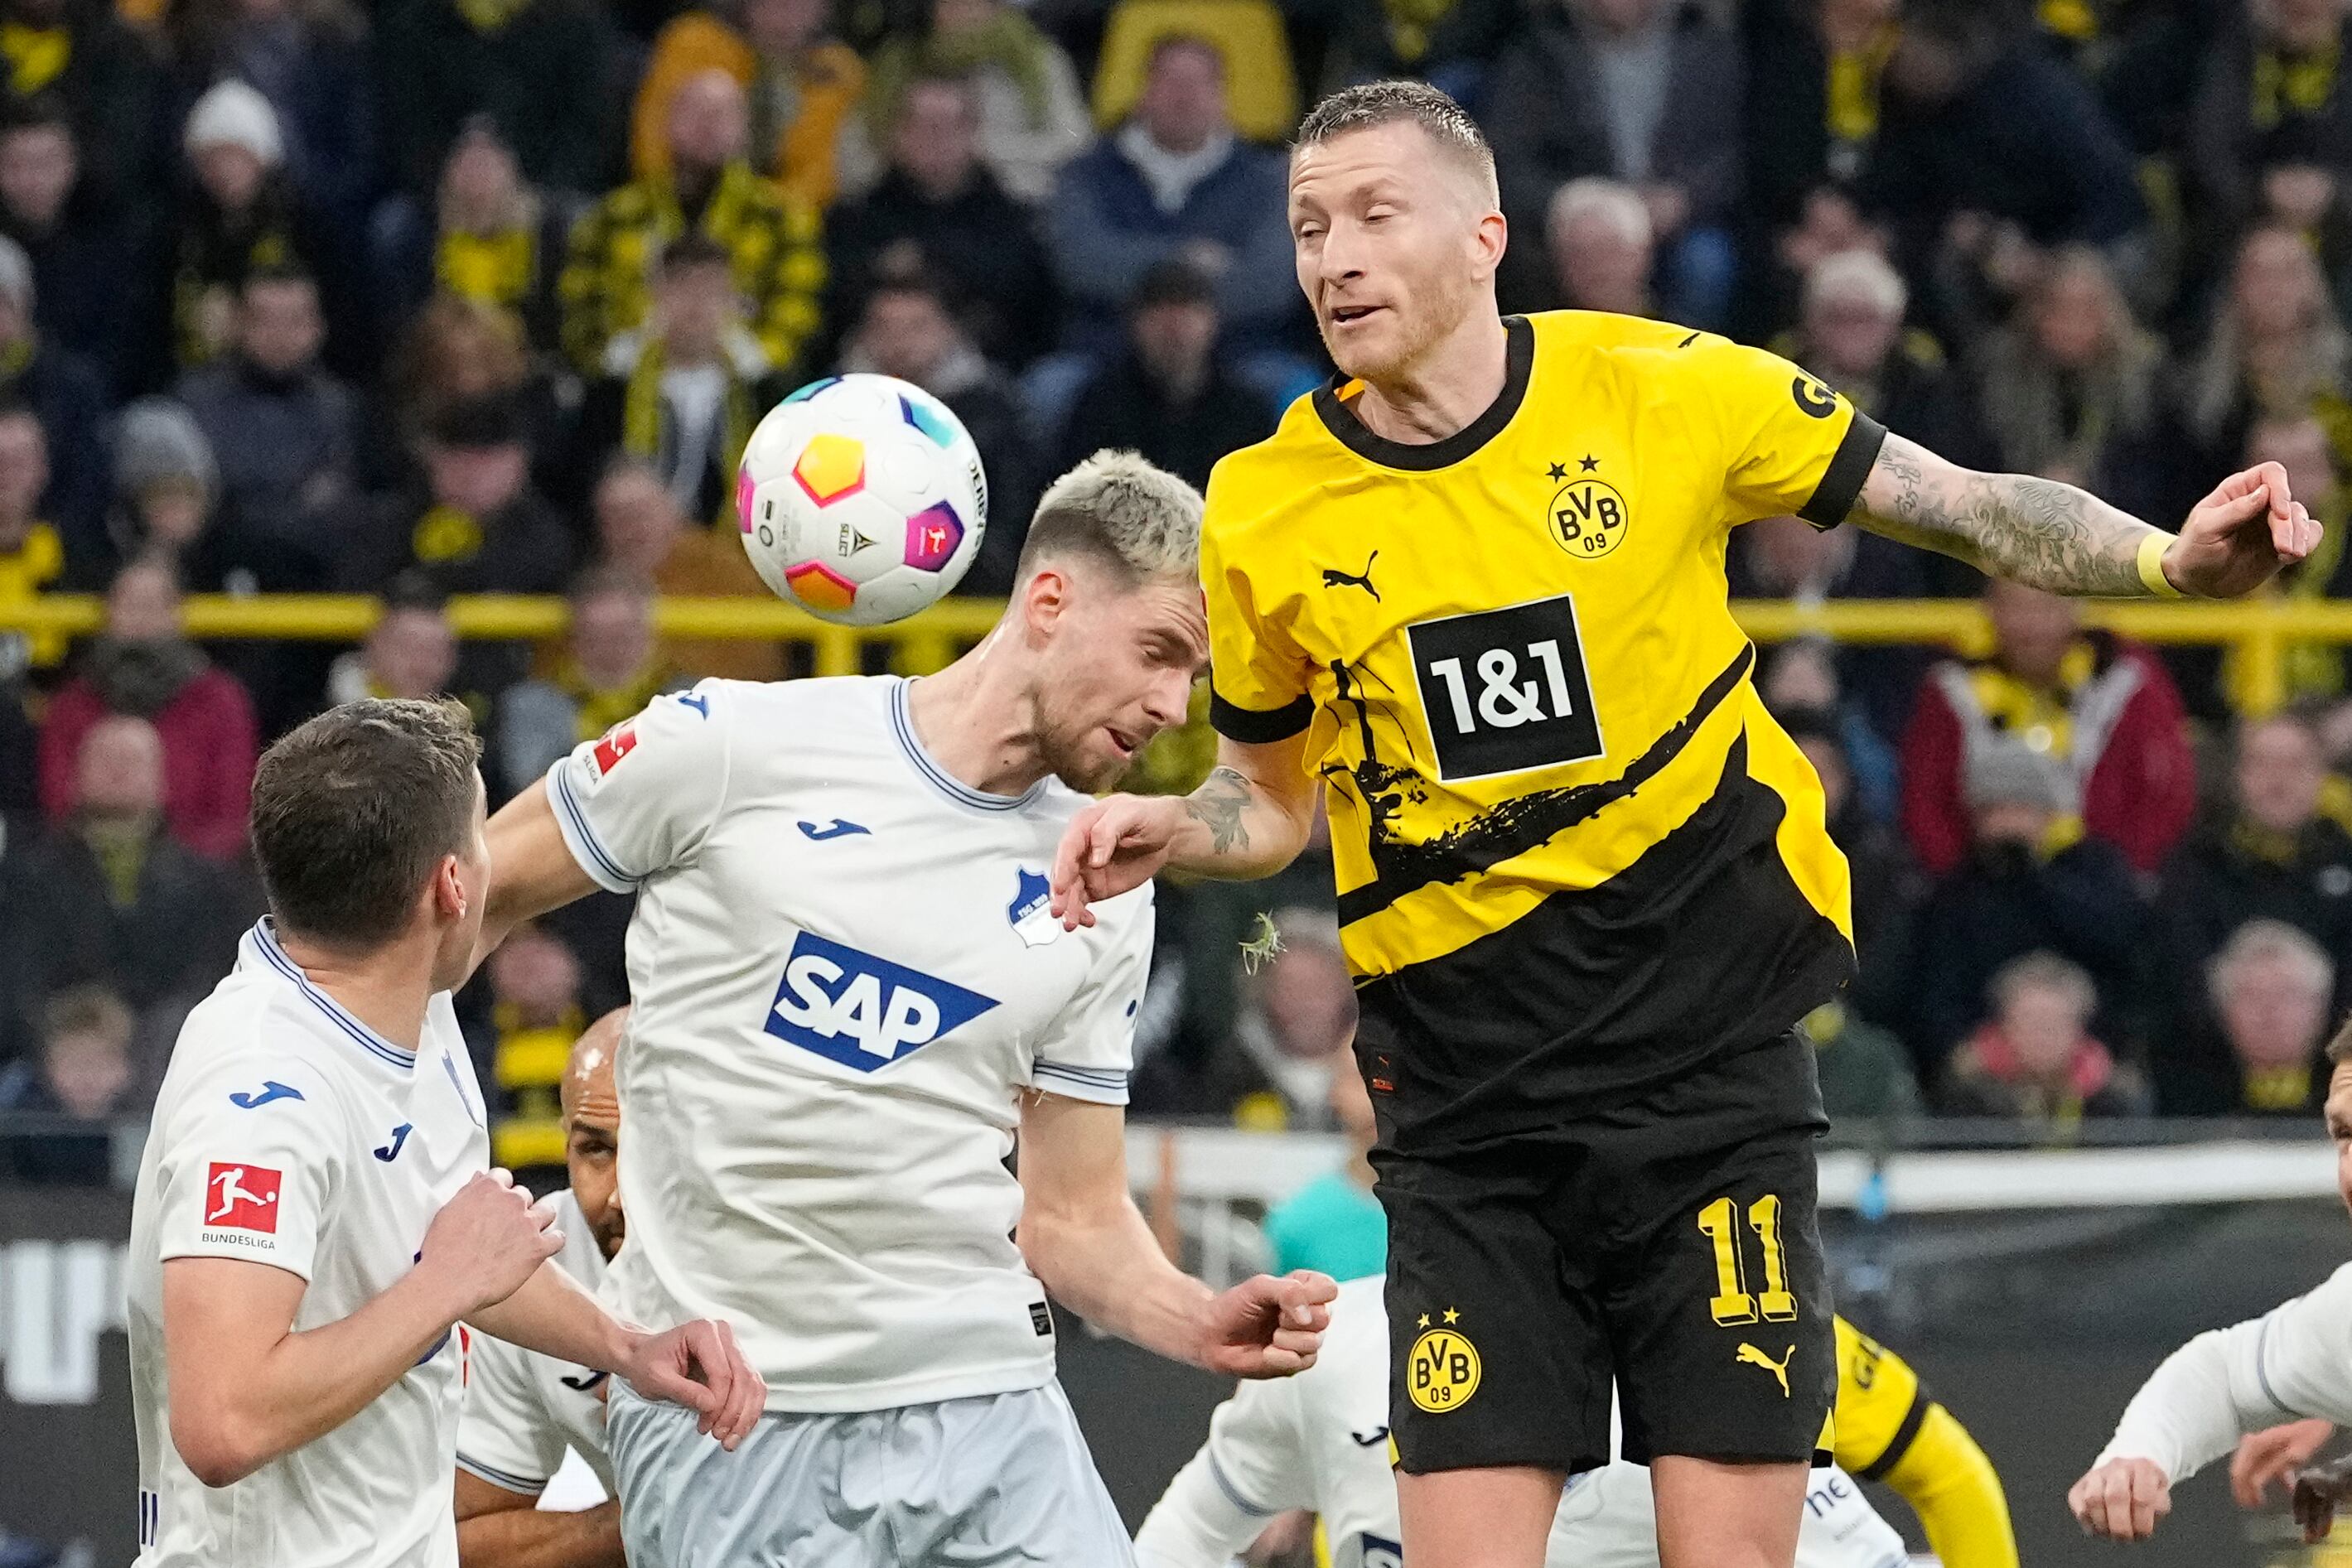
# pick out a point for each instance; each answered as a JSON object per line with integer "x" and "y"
{"x": 902, "y": 725}
{"x": 265, "y": 943}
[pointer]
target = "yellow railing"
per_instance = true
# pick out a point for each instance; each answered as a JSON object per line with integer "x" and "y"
{"x": 2258, "y": 631}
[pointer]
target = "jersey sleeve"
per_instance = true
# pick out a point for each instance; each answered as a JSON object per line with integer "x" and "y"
{"x": 1257, "y": 686}
{"x": 1787, "y": 444}
{"x": 1087, "y": 1052}
{"x": 506, "y": 1436}
{"x": 641, "y": 798}
{"x": 251, "y": 1162}
{"x": 1252, "y": 1467}
{"x": 2293, "y": 1362}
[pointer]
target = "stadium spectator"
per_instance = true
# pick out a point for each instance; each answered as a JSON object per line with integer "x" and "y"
{"x": 610, "y": 668}
{"x": 1812, "y": 123}
{"x": 1172, "y": 395}
{"x": 803, "y": 88}
{"x": 310, "y": 59}
{"x": 78, "y": 55}
{"x": 2272, "y": 987}
{"x": 908, "y": 330}
{"x": 1601, "y": 244}
{"x": 1788, "y": 558}
{"x": 107, "y": 896}
{"x": 1297, "y": 1014}
{"x": 2270, "y": 133}
{"x": 166, "y": 488}
{"x": 1987, "y": 139}
{"x": 2277, "y": 347}
{"x": 1334, "y": 1225}
{"x": 941, "y": 208}
{"x": 1801, "y": 678}
{"x": 1645, "y": 92}
{"x": 1886, "y": 884}
{"x": 65, "y": 392}
{"x": 2034, "y": 1059}
{"x": 535, "y": 1016}
{"x": 241, "y": 216}
{"x": 479, "y": 527}
{"x": 773, "y": 240}
{"x": 2313, "y": 671}
{"x": 73, "y": 1092}
{"x": 78, "y": 249}
{"x": 640, "y": 531}
{"x": 2102, "y": 709}
{"x": 2273, "y": 858}
{"x": 2071, "y": 389}
{"x": 1033, "y": 116}
{"x": 1865, "y": 1076}
{"x": 1175, "y": 183}
{"x": 682, "y": 389}
{"x": 543, "y": 70}
{"x": 2030, "y": 881}
{"x": 411, "y": 651}
{"x": 285, "y": 433}
{"x": 32, "y": 553}
{"x": 495, "y": 240}
{"x": 142, "y": 666}
{"x": 455, "y": 352}
{"x": 1853, "y": 333}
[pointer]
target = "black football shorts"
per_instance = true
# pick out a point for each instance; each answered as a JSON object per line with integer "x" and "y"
{"x": 1668, "y": 1245}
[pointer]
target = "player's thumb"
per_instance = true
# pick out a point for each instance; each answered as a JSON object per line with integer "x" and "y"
{"x": 2228, "y": 511}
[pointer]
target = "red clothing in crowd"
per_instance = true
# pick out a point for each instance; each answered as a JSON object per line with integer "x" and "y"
{"x": 210, "y": 746}
{"x": 2114, "y": 720}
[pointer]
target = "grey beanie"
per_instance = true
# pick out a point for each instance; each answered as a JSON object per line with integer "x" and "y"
{"x": 2006, "y": 772}
{"x": 158, "y": 441}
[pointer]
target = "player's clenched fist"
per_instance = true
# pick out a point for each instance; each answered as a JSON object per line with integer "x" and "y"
{"x": 488, "y": 1240}
{"x": 1110, "y": 847}
{"x": 2121, "y": 1499}
{"x": 1269, "y": 1327}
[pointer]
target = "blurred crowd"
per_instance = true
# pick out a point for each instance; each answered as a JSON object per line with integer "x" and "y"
{"x": 427, "y": 297}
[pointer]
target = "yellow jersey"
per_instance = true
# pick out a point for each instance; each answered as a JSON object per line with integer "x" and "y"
{"x": 1890, "y": 1429}
{"x": 1575, "y": 856}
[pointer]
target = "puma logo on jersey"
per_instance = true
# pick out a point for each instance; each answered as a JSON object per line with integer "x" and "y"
{"x": 1372, "y": 1438}
{"x": 863, "y": 1011}
{"x": 247, "y": 1100}
{"x": 589, "y": 1378}
{"x": 1334, "y": 578}
{"x": 1750, "y": 1356}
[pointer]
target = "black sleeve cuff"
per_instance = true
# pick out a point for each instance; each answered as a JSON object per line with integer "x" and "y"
{"x": 1905, "y": 1436}
{"x": 1849, "y": 469}
{"x": 1259, "y": 726}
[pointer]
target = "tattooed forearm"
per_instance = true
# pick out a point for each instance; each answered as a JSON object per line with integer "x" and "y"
{"x": 2034, "y": 531}
{"x": 1218, "y": 805}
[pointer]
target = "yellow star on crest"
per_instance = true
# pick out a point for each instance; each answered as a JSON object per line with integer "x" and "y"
{"x": 1451, "y": 1316}
{"x": 1425, "y": 1320}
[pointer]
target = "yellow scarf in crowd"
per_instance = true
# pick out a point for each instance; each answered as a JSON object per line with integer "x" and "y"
{"x": 1853, "y": 81}
{"x": 498, "y": 270}
{"x": 2292, "y": 84}
{"x": 36, "y": 56}
{"x": 641, "y": 418}
{"x": 601, "y": 707}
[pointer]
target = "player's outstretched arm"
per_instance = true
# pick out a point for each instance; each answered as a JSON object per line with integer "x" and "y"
{"x": 1082, "y": 1236}
{"x": 2054, "y": 537}
{"x": 1249, "y": 819}
{"x": 502, "y": 1529}
{"x": 246, "y": 1388}
{"x": 696, "y": 1365}
{"x": 532, "y": 869}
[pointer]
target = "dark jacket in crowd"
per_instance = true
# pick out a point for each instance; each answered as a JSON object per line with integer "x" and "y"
{"x": 112, "y": 88}
{"x": 2005, "y": 901}
{"x": 79, "y": 264}
{"x": 288, "y": 447}
{"x": 2256, "y": 110}
{"x": 2214, "y": 883}
{"x": 545, "y": 77}
{"x": 68, "y": 397}
{"x": 1124, "y": 407}
{"x": 61, "y": 1153}
{"x": 980, "y": 241}
{"x": 1793, "y": 148}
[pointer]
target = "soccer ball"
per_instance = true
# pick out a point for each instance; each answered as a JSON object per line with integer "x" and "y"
{"x": 862, "y": 499}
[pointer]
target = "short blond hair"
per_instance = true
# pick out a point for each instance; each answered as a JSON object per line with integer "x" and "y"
{"x": 1122, "y": 512}
{"x": 1375, "y": 103}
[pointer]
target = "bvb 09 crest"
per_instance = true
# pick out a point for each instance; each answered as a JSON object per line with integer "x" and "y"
{"x": 1587, "y": 517}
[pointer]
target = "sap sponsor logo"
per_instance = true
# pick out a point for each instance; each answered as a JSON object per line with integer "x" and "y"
{"x": 56, "y": 1298}
{"x": 863, "y": 1011}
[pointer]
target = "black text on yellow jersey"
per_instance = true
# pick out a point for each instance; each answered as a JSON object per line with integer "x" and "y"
{"x": 1574, "y": 853}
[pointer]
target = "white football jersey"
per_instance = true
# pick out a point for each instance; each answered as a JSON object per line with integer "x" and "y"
{"x": 288, "y": 1132}
{"x": 844, "y": 976}
{"x": 524, "y": 1409}
{"x": 1321, "y": 1441}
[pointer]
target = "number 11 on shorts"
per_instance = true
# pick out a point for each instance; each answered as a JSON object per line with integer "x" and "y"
{"x": 1732, "y": 1305}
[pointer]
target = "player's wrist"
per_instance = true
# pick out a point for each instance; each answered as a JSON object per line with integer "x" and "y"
{"x": 2157, "y": 568}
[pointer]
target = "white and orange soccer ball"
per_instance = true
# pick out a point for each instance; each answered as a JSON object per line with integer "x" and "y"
{"x": 861, "y": 498}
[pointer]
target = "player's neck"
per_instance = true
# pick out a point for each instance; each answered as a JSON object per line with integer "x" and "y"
{"x": 975, "y": 720}
{"x": 388, "y": 989}
{"x": 1443, "y": 390}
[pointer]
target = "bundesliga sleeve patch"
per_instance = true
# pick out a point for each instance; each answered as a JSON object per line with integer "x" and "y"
{"x": 241, "y": 1197}
{"x": 618, "y": 742}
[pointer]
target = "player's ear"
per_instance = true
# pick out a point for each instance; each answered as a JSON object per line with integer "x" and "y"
{"x": 1487, "y": 243}
{"x": 449, "y": 890}
{"x": 1045, "y": 597}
